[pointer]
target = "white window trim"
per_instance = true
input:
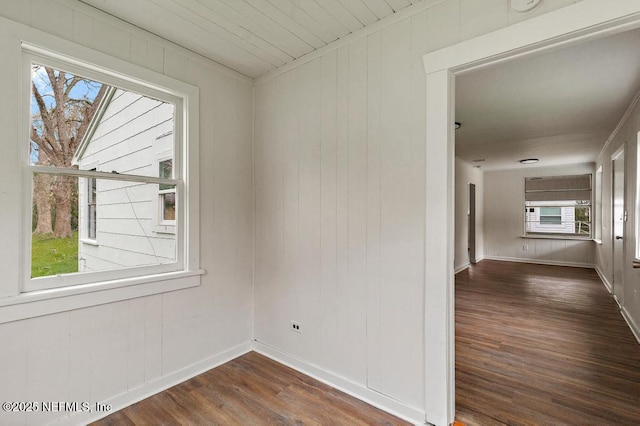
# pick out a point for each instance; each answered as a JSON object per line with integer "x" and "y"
{"x": 597, "y": 208}
{"x": 14, "y": 302}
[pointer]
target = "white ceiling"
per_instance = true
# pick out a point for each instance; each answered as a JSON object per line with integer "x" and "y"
{"x": 252, "y": 37}
{"x": 559, "y": 106}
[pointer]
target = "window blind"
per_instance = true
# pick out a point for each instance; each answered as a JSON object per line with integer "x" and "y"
{"x": 558, "y": 188}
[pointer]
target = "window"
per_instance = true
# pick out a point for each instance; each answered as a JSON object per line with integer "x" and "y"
{"x": 167, "y": 195}
{"x": 551, "y": 215}
{"x": 598, "y": 205}
{"x": 91, "y": 208}
{"x": 558, "y": 205}
{"x": 91, "y": 154}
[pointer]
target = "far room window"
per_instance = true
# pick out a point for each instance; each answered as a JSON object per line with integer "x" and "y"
{"x": 558, "y": 205}
{"x": 92, "y": 158}
{"x": 598, "y": 205}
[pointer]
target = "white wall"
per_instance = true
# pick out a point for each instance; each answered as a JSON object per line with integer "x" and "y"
{"x": 627, "y": 136}
{"x": 339, "y": 174}
{"x": 340, "y": 199}
{"x": 97, "y": 353}
{"x": 466, "y": 174}
{"x": 504, "y": 220}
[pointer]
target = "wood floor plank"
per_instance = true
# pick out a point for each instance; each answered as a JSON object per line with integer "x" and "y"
{"x": 251, "y": 389}
{"x": 539, "y": 344}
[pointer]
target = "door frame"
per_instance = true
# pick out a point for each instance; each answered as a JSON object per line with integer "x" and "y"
{"x": 620, "y": 151}
{"x": 588, "y": 19}
{"x": 471, "y": 223}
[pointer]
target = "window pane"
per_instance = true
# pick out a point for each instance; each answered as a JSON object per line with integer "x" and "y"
{"x": 105, "y": 128}
{"x": 124, "y": 214}
{"x": 166, "y": 171}
{"x": 169, "y": 206}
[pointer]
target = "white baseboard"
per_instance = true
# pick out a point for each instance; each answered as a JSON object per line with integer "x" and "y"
{"x": 461, "y": 268}
{"x": 466, "y": 265}
{"x": 541, "y": 261}
{"x": 604, "y": 279}
{"x": 126, "y": 399}
{"x": 635, "y": 329}
{"x": 347, "y": 386}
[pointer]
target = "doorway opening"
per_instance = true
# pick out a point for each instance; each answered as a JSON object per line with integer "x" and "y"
{"x": 573, "y": 24}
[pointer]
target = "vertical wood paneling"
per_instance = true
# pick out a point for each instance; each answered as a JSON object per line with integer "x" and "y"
{"x": 13, "y": 358}
{"x": 80, "y": 348}
{"x": 371, "y": 207}
{"x": 309, "y": 204}
{"x": 109, "y": 339}
{"x": 342, "y": 209}
{"x": 357, "y": 209}
{"x": 328, "y": 211}
{"x": 374, "y": 166}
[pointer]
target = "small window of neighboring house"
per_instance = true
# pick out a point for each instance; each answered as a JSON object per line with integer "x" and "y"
{"x": 558, "y": 205}
{"x": 167, "y": 195}
{"x": 92, "y": 211}
{"x": 101, "y": 158}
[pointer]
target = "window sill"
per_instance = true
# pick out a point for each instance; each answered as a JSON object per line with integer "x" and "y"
{"x": 46, "y": 302}
{"x": 89, "y": 242}
{"x": 164, "y": 229}
{"x": 597, "y": 241}
{"x": 556, "y": 237}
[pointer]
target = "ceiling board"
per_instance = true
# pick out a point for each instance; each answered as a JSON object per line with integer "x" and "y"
{"x": 252, "y": 37}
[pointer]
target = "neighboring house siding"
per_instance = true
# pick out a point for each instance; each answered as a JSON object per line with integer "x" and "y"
{"x": 133, "y": 134}
{"x": 566, "y": 227}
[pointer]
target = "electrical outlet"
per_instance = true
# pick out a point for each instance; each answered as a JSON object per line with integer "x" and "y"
{"x": 296, "y": 327}
{"x": 525, "y": 247}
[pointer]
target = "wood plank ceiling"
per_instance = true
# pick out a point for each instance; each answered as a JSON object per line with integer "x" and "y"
{"x": 252, "y": 37}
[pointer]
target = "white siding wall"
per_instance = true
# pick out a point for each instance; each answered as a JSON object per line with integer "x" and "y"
{"x": 628, "y": 135}
{"x": 504, "y": 219}
{"x": 340, "y": 200}
{"x": 134, "y": 133}
{"x": 94, "y": 354}
{"x": 466, "y": 174}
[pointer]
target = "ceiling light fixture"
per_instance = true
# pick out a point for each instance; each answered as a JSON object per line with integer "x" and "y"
{"x": 524, "y": 5}
{"x": 529, "y": 161}
{"x": 457, "y": 125}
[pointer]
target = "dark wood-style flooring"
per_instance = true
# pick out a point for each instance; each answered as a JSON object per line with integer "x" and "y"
{"x": 542, "y": 345}
{"x": 251, "y": 390}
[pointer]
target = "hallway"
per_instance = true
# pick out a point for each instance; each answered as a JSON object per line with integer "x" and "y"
{"x": 539, "y": 344}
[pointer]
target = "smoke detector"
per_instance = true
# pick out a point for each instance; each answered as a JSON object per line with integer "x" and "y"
{"x": 524, "y": 5}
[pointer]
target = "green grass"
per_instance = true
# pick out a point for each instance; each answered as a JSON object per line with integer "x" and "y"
{"x": 52, "y": 256}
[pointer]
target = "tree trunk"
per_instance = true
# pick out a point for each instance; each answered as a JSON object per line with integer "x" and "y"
{"x": 63, "y": 191}
{"x": 42, "y": 200}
